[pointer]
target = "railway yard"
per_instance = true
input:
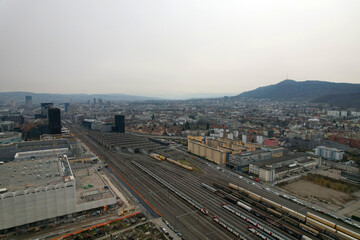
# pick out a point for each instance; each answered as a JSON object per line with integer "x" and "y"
{"x": 211, "y": 204}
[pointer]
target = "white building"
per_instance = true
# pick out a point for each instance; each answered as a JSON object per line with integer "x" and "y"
{"x": 333, "y": 113}
{"x": 329, "y": 153}
{"x": 39, "y": 190}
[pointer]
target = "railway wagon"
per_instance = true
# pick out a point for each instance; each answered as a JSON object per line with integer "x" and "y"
{"x": 345, "y": 236}
{"x": 259, "y": 205}
{"x": 271, "y": 203}
{"x": 320, "y": 219}
{"x": 291, "y": 232}
{"x": 322, "y": 227}
{"x": 254, "y": 196}
{"x": 347, "y": 231}
{"x": 259, "y": 233}
{"x": 231, "y": 199}
{"x": 291, "y": 221}
{"x": 220, "y": 186}
{"x": 309, "y": 229}
{"x": 236, "y": 187}
{"x": 273, "y": 212}
{"x": 220, "y": 193}
{"x": 208, "y": 187}
{"x": 244, "y": 206}
{"x": 293, "y": 213}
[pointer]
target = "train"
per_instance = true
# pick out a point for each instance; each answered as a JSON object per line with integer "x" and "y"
{"x": 255, "y": 223}
{"x": 259, "y": 233}
{"x": 208, "y": 187}
{"x": 161, "y": 158}
{"x": 230, "y": 228}
{"x": 318, "y": 223}
{"x": 174, "y": 190}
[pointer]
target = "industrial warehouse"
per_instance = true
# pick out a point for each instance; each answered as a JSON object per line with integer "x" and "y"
{"x": 124, "y": 142}
{"x": 38, "y": 192}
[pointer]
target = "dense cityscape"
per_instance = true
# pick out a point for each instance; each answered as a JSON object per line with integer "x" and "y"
{"x": 185, "y": 120}
{"x": 286, "y": 170}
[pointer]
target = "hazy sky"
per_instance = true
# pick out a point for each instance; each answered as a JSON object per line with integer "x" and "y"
{"x": 175, "y": 48}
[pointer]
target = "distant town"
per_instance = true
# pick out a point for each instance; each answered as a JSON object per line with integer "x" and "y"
{"x": 212, "y": 168}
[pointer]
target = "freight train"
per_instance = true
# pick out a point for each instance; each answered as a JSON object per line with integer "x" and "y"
{"x": 160, "y": 158}
{"x": 318, "y": 224}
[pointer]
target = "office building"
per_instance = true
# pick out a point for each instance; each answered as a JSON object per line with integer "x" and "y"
{"x": 120, "y": 123}
{"x": 28, "y": 101}
{"x": 45, "y": 107}
{"x": 66, "y": 105}
{"x": 54, "y": 120}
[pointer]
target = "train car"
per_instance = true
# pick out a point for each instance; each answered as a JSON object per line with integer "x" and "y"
{"x": 320, "y": 219}
{"x": 306, "y": 238}
{"x": 162, "y": 157}
{"x": 207, "y": 187}
{"x": 236, "y": 187}
{"x": 345, "y": 236}
{"x": 220, "y": 193}
{"x": 291, "y": 221}
{"x": 231, "y": 199}
{"x": 320, "y": 226}
{"x": 222, "y": 187}
{"x": 323, "y": 236}
{"x": 291, "y": 231}
{"x": 273, "y": 212}
{"x": 230, "y": 228}
{"x": 293, "y": 213}
{"x": 347, "y": 231}
{"x": 259, "y": 233}
{"x": 259, "y": 205}
{"x": 309, "y": 229}
{"x": 244, "y": 206}
{"x": 255, "y": 197}
{"x": 258, "y": 214}
{"x": 271, "y": 203}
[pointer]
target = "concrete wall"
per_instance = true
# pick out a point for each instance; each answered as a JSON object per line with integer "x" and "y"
{"x": 31, "y": 205}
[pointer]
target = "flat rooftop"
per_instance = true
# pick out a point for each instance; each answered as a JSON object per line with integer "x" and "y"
{"x": 84, "y": 176}
{"x": 30, "y": 174}
{"x": 279, "y": 159}
{"x": 123, "y": 140}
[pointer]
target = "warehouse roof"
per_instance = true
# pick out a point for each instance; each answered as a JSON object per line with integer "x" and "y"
{"x": 30, "y": 174}
{"x": 279, "y": 159}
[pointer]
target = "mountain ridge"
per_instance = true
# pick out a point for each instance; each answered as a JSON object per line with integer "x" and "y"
{"x": 294, "y": 90}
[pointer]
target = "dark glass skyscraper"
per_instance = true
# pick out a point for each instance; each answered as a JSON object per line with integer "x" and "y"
{"x": 28, "y": 100}
{"x": 66, "y": 107}
{"x": 120, "y": 123}
{"x": 54, "y": 120}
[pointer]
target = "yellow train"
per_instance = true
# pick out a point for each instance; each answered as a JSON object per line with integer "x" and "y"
{"x": 317, "y": 222}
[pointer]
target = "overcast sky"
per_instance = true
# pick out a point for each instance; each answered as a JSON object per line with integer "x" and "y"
{"x": 175, "y": 48}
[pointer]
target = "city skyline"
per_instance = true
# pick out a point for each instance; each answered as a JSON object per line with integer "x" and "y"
{"x": 172, "y": 49}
